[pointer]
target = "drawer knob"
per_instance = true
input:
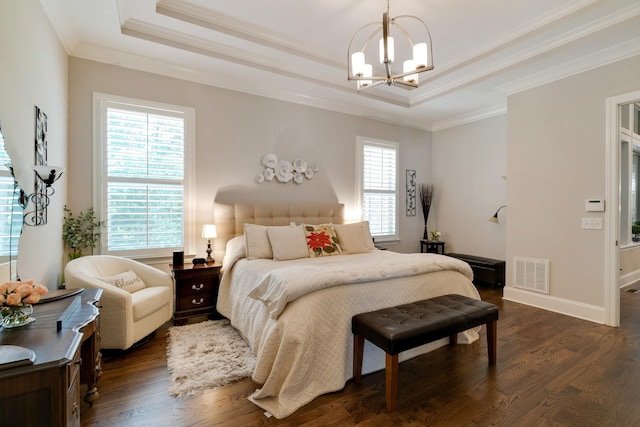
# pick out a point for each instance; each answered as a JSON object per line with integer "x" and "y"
{"x": 198, "y": 287}
{"x": 193, "y": 301}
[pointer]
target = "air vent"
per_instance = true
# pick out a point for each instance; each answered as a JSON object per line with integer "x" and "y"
{"x": 531, "y": 274}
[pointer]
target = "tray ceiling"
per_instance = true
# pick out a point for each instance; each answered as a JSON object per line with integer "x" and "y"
{"x": 296, "y": 50}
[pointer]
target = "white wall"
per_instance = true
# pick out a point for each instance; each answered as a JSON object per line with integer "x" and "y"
{"x": 556, "y": 160}
{"x": 234, "y": 130}
{"x": 469, "y": 162}
{"x": 34, "y": 73}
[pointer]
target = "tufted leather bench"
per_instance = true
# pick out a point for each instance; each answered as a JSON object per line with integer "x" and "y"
{"x": 404, "y": 327}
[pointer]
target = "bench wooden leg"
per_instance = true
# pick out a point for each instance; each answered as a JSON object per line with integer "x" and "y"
{"x": 492, "y": 331}
{"x": 453, "y": 340}
{"x": 391, "y": 381}
{"x": 358, "y": 350}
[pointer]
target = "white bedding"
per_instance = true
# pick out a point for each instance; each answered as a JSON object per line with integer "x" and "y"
{"x": 307, "y": 349}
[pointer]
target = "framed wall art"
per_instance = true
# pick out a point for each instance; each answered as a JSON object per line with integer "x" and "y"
{"x": 411, "y": 192}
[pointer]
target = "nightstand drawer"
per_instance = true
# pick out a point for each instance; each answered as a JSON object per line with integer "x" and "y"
{"x": 188, "y": 302}
{"x": 196, "y": 286}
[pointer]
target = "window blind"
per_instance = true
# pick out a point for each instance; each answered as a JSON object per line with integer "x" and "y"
{"x": 145, "y": 160}
{"x": 379, "y": 188}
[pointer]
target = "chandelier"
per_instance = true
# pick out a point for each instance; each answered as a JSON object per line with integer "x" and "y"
{"x": 419, "y": 55}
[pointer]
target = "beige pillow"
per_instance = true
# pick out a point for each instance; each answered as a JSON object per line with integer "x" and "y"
{"x": 257, "y": 242}
{"x": 127, "y": 281}
{"x": 355, "y": 238}
{"x": 322, "y": 240}
{"x": 287, "y": 243}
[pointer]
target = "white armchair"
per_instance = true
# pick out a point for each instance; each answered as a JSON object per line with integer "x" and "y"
{"x": 126, "y": 317}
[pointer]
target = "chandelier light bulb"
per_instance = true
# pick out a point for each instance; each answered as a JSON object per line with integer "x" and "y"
{"x": 357, "y": 64}
{"x": 409, "y": 65}
{"x": 420, "y": 55}
{"x": 390, "y": 50}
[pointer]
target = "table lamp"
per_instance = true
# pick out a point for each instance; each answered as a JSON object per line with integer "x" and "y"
{"x": 209, "y": 232}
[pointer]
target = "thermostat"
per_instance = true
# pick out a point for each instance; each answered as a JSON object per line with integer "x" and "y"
{"x": 594, "y": 205}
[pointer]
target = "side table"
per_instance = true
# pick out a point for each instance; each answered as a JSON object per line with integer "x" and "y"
{"x": 196, "y": 291}
{"x": 432, "y": 246}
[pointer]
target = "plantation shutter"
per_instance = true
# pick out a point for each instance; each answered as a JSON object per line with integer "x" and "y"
{"x": 145, "y": 157}
{"x": 379, "y": 188}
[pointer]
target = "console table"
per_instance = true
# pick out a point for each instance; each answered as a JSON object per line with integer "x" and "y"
{"x": 65, "y": 339}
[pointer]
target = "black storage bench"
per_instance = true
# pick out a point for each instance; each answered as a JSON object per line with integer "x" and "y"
{"x": 487, "y": 270}
{"x": 407, "y": 326}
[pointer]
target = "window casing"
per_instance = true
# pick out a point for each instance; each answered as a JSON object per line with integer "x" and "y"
{"x": 377, "y": 186}
{"x": 142, "y": 178}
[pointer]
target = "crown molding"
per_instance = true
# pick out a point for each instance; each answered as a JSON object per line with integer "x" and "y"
{"x": 485, "y": 113}
{"x": 154, "y": 66}
{"x": 66, "y": 37}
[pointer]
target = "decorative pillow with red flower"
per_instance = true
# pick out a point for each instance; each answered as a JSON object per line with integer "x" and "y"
{"x": 322, "y": 240}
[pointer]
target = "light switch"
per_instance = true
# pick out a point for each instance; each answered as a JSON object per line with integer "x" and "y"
{"x": 592, "y": 223}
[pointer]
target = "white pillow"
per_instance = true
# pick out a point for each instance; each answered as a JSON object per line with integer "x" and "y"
{"x": 355, "y": 238}
{"x": 127, "y": 281}
{"x": 257, "y": 242}
{"x": 288, "y": 243}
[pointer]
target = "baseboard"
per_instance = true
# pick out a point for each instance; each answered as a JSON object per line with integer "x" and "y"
{"x": 580, "y": 310}
{"x": 629, "y": 279}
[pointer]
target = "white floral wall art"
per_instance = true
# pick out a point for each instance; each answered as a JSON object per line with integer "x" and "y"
{"x": 284, "y": 170}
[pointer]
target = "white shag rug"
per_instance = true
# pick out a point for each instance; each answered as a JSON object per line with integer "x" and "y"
{"x": 205, "y": 355}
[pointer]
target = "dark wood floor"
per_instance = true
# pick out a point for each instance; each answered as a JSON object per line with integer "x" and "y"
{"x": 552, "y": 370}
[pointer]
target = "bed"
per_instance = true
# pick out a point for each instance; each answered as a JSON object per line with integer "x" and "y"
{"x": 296, "y": 313}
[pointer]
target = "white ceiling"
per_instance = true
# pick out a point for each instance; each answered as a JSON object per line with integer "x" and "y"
{"x": 296, "y": 50}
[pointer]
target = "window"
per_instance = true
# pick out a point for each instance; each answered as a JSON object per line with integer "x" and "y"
{"x": 143, "y": 191}
{"x": 11, "y": 222}
{"x": 377, "y": 183}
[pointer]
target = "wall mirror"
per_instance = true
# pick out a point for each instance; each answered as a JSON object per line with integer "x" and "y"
{"x": 10, "y": 218}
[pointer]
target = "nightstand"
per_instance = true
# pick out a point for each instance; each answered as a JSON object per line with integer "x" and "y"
{"x": 432, "y": 246}
{"x": 196, "y": 291}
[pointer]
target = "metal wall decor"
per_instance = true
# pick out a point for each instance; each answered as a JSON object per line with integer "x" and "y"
{"x": 411, "y": 192}
{"x": 284, "y": 170}
{"x": 40, "y": 213}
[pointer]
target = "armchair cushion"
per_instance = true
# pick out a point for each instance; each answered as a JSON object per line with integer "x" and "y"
{"x": 128, "y": 281}
{"x": 149, "y": 300}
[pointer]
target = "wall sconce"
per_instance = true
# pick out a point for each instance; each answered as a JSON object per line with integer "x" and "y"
{"x": 494, "y": 218}
{"x": 46, "y": 176}
{"x": 209, "y": 232}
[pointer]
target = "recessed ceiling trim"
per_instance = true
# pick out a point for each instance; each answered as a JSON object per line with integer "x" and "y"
{"x": 233, "y": 27}
{"x": 537, "y": 51}
{"x": 596, "y": 59}
{"x": 153, "y": 33}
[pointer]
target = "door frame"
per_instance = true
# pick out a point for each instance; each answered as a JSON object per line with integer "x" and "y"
{"x": 612, "y": 213}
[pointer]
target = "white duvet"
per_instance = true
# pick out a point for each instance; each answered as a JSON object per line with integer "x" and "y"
{"x": 300, "y": 330}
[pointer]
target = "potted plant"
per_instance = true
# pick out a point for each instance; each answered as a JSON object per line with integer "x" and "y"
{"x": 635, "y": 230}
{"x": 81, "y": 232}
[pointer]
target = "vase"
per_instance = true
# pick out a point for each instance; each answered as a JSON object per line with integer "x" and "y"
{"x": 425, "y": 236}
{"x": 15, "y": 316}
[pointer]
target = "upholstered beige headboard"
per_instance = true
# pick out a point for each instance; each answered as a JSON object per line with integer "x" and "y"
{"x": 230, "y": 217}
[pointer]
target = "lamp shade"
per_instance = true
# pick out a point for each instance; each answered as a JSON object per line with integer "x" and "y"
{"x": 209, "y": 231}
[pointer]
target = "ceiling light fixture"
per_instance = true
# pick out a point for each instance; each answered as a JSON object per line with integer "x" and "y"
{"x": 420, "y": 57}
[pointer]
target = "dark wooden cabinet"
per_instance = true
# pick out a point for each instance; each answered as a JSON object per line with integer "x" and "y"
{"x": 47, "y": 391}
{"x": 196, "y": 291}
